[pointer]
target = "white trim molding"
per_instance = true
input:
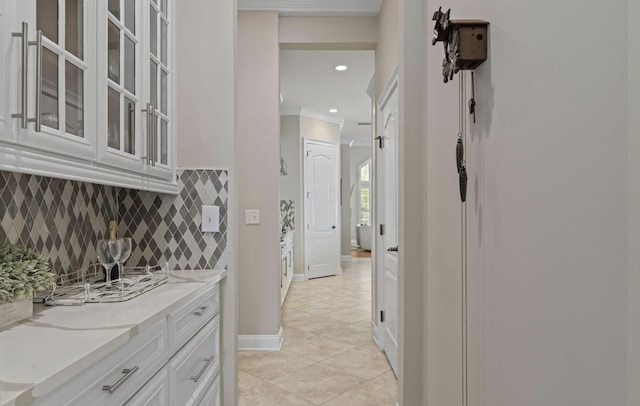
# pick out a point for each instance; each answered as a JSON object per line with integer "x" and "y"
{"x": 14, "y": 159}
{"x": 314, "y": 7}
{"x": 298, "y": 277}
{"x": 261, "y": 342}
{"x": 312, "y": 114}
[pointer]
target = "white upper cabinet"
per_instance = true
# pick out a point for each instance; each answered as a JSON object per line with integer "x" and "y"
{"x": 158, "y": 54}
{"x": 87, "y": 91}
{"x": 120, "y": 84}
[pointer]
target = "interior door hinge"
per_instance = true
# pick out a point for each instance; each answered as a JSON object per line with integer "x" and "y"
{"x": 381, "y": 229}
{"x": 308, "y": 152}
{"x": 381, "y": 316}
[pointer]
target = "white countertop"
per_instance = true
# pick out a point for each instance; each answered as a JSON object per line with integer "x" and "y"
{"x": 41, "y": 353}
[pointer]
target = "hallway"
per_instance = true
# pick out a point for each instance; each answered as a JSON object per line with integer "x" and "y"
{"x": 328, "y": 356}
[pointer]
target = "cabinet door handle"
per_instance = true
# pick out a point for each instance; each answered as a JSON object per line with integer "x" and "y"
{"x": 155, "y": 137}
{"x": 149, "y": 110}
{"x": 24, "y": 47}
{"x": 202, "y": 310}
{"x": 38, "y": 44}
{"x": 127, "y": 374}
{"x": 207, "y": 361}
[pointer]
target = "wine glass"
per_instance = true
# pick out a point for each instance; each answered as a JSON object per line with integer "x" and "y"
{"x": 109, "y": 252}
{"x": 124, "y": 255}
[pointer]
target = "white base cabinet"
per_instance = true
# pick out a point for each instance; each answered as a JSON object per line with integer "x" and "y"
{"x": 286, "y": 265}
{"x": 193, "y": 369}
{"x": 175, "y": 362}
{"x": 154, "y": 393}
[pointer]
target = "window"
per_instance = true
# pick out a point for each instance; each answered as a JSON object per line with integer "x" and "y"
{"x": 364, "y": 193}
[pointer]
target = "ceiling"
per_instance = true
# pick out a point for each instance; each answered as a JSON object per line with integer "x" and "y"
{"x": 315, "y": 7}
{"x": 309, "y": 81}
{"x": 307, "y": 78}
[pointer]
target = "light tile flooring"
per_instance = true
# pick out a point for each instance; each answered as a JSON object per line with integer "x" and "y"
{"x": 328, "y": 356}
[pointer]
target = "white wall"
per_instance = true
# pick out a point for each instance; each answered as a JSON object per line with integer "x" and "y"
{"x": 258, "y": 166}
{"x": 547, "y": 206}
{"x": 319, "y": 130}
{"x": 290, "y": 146}
{"x": 388, "y": 48}
{"x": 634, "y": 203}
{"x": 345, "y": 202}
{"x": 205, "y": 93}
{"x": 333, "y": 33}
{"x": 357, "y": 156}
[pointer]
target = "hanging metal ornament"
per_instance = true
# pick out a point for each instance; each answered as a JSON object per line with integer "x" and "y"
{"x": 459, "y": 152}
{"x": 463, "y": 183}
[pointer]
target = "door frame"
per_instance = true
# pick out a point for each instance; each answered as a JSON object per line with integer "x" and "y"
{"x": 378, "y": 206}
{"x": 305, "y": 211}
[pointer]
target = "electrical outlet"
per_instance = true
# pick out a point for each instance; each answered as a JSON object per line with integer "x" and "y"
{"x": 252, "y": 216}
{"x": 210, "y": 219}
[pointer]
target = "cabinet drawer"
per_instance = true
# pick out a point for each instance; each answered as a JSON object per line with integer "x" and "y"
{"x": 185, "y": 322}
{"x": 212, "y": 397}
{"x": 119, "y": 375}
{"x": 194, "y": 367}
{"x": 154, "y": 393}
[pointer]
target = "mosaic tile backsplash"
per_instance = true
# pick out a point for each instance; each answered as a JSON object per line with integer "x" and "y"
{"x": 60, "y": 219}
{"x": 287, "y": 215}
{"x": 167, "y": 227}
{"x": 63, "y": 219}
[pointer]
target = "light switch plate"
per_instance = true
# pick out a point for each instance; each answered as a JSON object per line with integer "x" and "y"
{"x": 252, "y": 216}
{"x": 210, "y": 219}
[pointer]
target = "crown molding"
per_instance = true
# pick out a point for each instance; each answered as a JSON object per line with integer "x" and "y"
{"x": 312, "y": 114}
{"x": 319, "y": 116}
{"x": 317, "y": 8}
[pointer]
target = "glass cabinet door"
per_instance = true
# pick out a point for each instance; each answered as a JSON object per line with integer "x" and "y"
{"x": 61, "y": 67}
{"x": 159, "y": 84}
{"x": 120, "y": 84}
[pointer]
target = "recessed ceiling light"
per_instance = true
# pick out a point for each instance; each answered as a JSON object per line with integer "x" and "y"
{"x": 341, "y": 68}
{"x": 333, "y": 110}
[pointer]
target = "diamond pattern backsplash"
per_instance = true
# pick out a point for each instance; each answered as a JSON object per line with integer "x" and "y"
{"x": 63, "y": 219}
{"x": 167, "y": 228}
{"x": 60, "y": 219}
{"x": 287, "y": 215}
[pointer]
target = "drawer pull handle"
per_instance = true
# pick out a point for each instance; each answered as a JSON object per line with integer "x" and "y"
{"x": 127, "y": 374}
{"x": 201, "y": 311}
{"x": 204, "y": 368}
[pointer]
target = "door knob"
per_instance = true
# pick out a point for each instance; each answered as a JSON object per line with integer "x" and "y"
{"x": 393, "y": 249}
{"x": 333, "y": 227}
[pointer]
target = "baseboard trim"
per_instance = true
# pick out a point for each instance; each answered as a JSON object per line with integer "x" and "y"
{"x": 346, "y": 258}
{"x": 298, "y": 277}
{"x": 261, "y": 342}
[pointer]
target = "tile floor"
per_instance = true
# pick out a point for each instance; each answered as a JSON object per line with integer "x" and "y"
{"x": 328, "y": 356}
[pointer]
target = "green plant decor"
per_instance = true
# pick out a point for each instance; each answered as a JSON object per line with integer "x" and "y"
{"x": 22, "y": 271}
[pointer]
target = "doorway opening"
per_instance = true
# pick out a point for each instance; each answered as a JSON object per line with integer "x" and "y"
{"x": 328, "y": 321}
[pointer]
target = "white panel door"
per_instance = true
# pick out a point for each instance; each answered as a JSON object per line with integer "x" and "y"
{"x": 322, "y": 233}
{"x": 388, "y": 215}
